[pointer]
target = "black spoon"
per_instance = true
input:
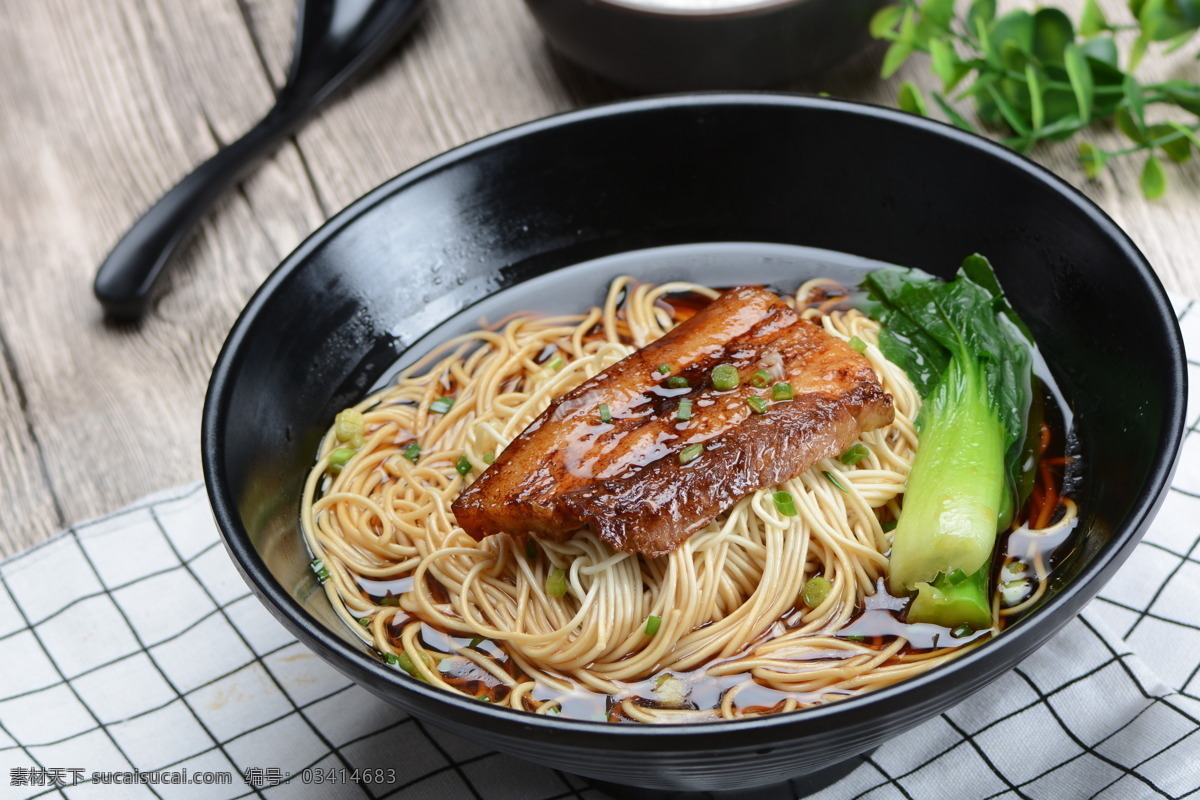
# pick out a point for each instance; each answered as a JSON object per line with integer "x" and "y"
{"x": 335, "y": 41}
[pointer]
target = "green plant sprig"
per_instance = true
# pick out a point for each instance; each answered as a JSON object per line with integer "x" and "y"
{"x": 1045, "y": 78}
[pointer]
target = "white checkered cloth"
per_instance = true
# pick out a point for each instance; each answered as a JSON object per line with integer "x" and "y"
{"x": 130, "y": 644}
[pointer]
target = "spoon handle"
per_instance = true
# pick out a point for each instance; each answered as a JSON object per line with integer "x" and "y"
{"x": 127, "y": 276}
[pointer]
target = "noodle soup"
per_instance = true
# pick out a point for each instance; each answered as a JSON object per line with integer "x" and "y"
{"x": 766, "y": 609}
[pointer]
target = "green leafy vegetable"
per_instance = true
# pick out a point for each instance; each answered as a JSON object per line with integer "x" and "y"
{"x": 964, "y": 348}
{"x": 1047, "y": 77}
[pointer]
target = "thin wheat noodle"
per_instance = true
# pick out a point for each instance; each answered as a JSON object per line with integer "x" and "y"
{"x": 723, "y": 599}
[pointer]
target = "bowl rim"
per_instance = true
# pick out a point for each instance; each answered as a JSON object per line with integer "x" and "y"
{"x": 757, "y": 730}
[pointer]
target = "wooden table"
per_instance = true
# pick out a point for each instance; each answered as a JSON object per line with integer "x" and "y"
{"x": 104, "y": 105}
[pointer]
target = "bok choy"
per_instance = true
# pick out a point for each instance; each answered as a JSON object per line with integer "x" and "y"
{"x": 969, "y": 356}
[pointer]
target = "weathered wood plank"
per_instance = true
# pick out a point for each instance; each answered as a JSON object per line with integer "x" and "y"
{"x": 106, "y": 111}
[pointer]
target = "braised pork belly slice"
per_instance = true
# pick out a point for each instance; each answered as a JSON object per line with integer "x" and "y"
{"x": 647, "y": 480}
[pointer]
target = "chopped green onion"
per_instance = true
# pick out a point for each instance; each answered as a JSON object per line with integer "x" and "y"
{"x": 483, "y": 698}
{"x": 962, "y": 630}
{"x": 605, "y": 413}
{"x": 339, "y": 458}
{"x": 531, "y": 550}
{"x": 553, "y": 711}
{"x": 664, "y": 369}
{"x": 725, "y": 377}
{"x": 855, "y": 638}
{"x": 412, "y": 452}
{"x": 956, "y": 577}
{"x": 392, "y": 659}
{"x": 690, "y": 453}
{"x": 784, "y": 504}
{"x": 405, "y": 662}
{"x": 760, "y": 379}
{"x": 858, "y": 344}
{"x": 489, "y": 457}
{"x": 684, "y": 413}
{"x": 390, "y": 600}
{"x": 857, "y": 452}
{"x": 652, "y": 625}
{"x": 463, "y": 465}
{"x": 441, "y": 405}
{"x": 364, "y": 621}
{"x": 319, "y": 568}
{"x": 555, "y": 364}
{"x": 758, "y": 404}
{"x": 476, "y": 641}
{"x": 677, "y": 382}
{"x": 556, "y": 583}
{"x": 782, "y": 391}
{"x": 888, "y": 526}
{"x": 829, "y": 476}
{"x": 348, "y": 423}
{"x": 816, "y": 589}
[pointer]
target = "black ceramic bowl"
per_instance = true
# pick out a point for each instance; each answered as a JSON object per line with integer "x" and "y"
{"x": 506, "y": 215}
{"x": 745, "y": 45}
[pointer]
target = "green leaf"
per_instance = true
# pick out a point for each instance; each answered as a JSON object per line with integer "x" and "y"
{"x": 1135, "y": 102}
{"x": 1183, "y": 94}
{"x": 1009, "y": 113}
{"x": 895, "y": 57}
{"x": 1163, "y": 20}
{"x": 1154, "y": 179}
{"x": 1128, "y": 125}
{"x": 1179, "y": 41}
{"x": 1178, "y": 148}
{"x": 1137, "y": 51}
{"x": 1015, "y": 28}
{"x": 885, "y": 21}
{"x": 938, "y": 12}
{"x": 1092, "y": 20}
{"x": 1053, "y": 31}
{"x": 1092, "y": 158}
{"x": 981, "y": 11}
{"x": 910, "y": 99}
{"x": 955, "y": 118}
{"x": 1080, "y": 76}
{"x": 1187, "y": 133}
{"x": 1102, "y": 49}
{"x": 946, "y": 64}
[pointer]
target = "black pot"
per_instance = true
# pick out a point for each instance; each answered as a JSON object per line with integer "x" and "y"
{"x": 766, "y": 44}
{"x": 511, "y": 211}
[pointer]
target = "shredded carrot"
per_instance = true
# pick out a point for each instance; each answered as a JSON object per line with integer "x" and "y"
{"x": 1049, "y": 498}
